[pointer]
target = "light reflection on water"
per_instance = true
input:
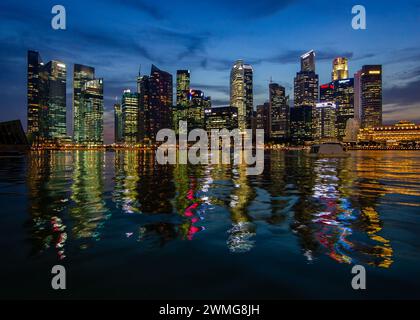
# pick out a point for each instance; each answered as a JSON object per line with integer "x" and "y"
{"x": 331, "y": 207}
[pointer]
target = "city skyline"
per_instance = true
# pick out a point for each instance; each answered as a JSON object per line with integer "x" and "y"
{"x": 210, "y": 72}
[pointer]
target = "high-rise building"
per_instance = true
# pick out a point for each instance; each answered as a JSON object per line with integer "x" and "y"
{"x": 53, "y": 123}
{"x": 130, "y": 114}
{"x": 306, "y": 82}
{"x": 160, "y": 102}
{"x": 357, "y": 96}
{"x": 344, "y": 100}
{"x": 307, "y": 61}
{"x": 46, "y": 96}
{"x": 306, "y": 89}
{"x": 340, "y": 69}
{"x": 241, "y": 93}
{"x": 301, "y": 128}
{"x": 221, "y": 118}
{"x": 144, "y": 128}
{"x": 326, "y": 92}
{"x": 278, "y": 112}
{"x": 325, "y": 121}
{"x": 92, "y": 112}
{"x": 182, "y": 88}
{"x": 118, "y": 123}
{"x": 81, "y": 74}
{"x": 262, "y": 118}
{"x": 34, "y": 93}
{"x": 195, "y": 114}
{"x": 371, "y": 85}
{"x": 306, "y": 93}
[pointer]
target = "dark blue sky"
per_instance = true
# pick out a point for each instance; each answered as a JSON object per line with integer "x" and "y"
{"x": 206, "y": 36}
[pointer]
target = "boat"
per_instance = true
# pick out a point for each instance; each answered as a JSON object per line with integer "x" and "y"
{"x": 328, "y": 150}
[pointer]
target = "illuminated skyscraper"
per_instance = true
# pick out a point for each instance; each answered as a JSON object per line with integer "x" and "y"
{"x": 81, "y": 74}
{"x": 130, "y": 114}
{"x": 34, "y": 92}
{"x": 118, "y": 123}
{"x": 301, "y": 127}
{"x": 263, "y": 118}
{"x": 221, "y": 118}
{"x": 326, "y": 92}
{"x": 325, "y": 121}
{"x": 46, "y": 99}
{"x": 182, "y": 87}
{"x": 306, "y": 82}
{"x": 371, "y": 90}
{"x": 53, "y": 113}
{"x": 144, "y": 128}
{"x": 357, "y": 96}
{"x": 160, "y": 101}
{"x": 307, "y": 61}
{"x": 92, "y": 112}
{"x": 241, "y": 93}
{"x": 278, "y": 112}
{"x": 195, "y": 114}
{"x": 305, "y": 96}
{"x": 340, "y": 69}
{"x": 344, "y": 100}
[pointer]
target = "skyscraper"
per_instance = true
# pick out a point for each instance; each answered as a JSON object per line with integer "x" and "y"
{"x": 92, "y": 113}
{"x": 301, "y": 126}
{"x": 156, "y": 101}
{"x": 34, "y": 92}
{"x": 53, "y": 114}
{"x": 182, "y": 87}
{"x": 130, "y": 114}
{"x": 278, "y": 112}
{"x": 143, "y": 89}
{"x": 371, "y": 89}
{"x": 195, "y": 114}
{"x": 357, "y": 96}
{"x": 263, "y": 118}
{"x": 325, "y": 121}
{"x": 344, "y": 100}
{"x": 306, "y": 82}
{"x": 46, "y": 96}
{"x": 340, "y": 69}
{"x": 307, "y": 61}
{"x": 118, "y": 124}
{"x": 326, "y": 92}
{"x": 305, "y": 96}
{"x": 81, "y": 74}
{"x": 241, "y": 93}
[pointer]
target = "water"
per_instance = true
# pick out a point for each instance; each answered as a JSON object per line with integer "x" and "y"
{"x": 126, "y": 227}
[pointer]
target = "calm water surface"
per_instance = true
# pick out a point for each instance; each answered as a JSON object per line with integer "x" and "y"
{"x": 126, "y": 227}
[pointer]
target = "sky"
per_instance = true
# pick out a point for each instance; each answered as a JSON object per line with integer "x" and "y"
{"x": 117, "y": 37}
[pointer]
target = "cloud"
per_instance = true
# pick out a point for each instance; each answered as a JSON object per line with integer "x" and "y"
{"x": 252, "y": 9}
{"x": 157, "y": 12}
{"x": 406, "y": 95}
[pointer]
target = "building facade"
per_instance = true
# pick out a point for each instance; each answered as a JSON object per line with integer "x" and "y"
{"x": 340, "y": 69}
{"x": 221, "y": 118}
{"x": 344, "y": 100}
{"x": 278, "y": 125}
{"x": 183, "y": 79}
{"x": 402, "y": 134}
{"x": 241, "y": 93}
{"x": 325, "y": 121}
{"x": 92, "y": 112}
{"x": 371, "y": 99}
{"x": 130, "y": 116}
{"x": 46, "y": 98}
{"x": 81, "y": 74}
{"x": 118, "y": 124}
